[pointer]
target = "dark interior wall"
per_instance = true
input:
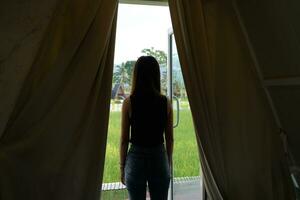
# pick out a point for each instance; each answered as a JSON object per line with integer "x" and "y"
{"x": 273, "y": 28}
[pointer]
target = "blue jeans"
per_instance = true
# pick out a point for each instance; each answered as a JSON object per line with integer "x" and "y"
{"x": 147, "y": 165}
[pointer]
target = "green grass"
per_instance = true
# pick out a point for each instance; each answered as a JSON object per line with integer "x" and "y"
{"x": 114, "y": 194}
{"x": 185, "y": 156}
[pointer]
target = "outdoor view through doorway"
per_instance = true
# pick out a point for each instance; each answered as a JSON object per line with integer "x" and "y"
{"x": 147, "y": 30}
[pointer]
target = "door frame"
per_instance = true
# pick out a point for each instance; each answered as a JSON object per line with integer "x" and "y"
{"x": 146, "y": 2}
{"x": 171, "y": 37}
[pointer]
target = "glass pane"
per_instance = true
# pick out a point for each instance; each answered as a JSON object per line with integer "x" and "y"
{"x": 185, "y": 158}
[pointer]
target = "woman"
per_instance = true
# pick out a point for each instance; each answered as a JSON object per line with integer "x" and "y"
{"x": 149, "y": 117}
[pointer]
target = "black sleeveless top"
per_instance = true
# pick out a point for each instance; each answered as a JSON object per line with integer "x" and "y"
{"x": 148, "y": 120}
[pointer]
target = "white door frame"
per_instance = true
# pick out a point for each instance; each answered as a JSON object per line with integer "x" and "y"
{"x": 146, "y": 2}
{"x": 170, "y": 95}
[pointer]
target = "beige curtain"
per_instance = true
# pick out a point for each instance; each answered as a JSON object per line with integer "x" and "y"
{"x": 56, "y": 70}
{"x": 240, "y": 149}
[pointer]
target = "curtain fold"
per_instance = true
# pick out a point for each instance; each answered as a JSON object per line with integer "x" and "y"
{"x": 53, "y": 144}
{"x": 239, "y": 144}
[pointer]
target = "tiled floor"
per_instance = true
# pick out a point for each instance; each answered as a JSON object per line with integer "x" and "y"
{"x": 190, "y": 190}
{"x": 185, "y": 188}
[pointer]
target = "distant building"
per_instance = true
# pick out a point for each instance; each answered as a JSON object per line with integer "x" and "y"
{"x": 118, "y": 92}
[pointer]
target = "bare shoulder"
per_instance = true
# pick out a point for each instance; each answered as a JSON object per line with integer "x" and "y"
{"x": 126, "y": 107}
{"x": 126, "y": 103}
{"x": 169, "y": 104}
{"x": 126, "y": 100}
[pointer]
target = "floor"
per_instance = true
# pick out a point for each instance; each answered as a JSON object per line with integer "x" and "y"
{"x": 188, "y": 188}
{"x": 184, "y": 188}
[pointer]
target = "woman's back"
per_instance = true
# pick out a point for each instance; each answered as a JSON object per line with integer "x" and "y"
{"x": 148, "y": 115}
{"x": 148, "y": 119}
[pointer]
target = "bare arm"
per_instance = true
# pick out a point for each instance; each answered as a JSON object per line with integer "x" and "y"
{"x": 169, "y": 133}
{"x": 124, "y": 135}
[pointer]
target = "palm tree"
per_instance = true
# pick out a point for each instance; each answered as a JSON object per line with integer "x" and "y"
{"x": 121, "y": 76}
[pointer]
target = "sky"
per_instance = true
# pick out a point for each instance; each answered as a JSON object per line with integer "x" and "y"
{"x": 140, "y": 27}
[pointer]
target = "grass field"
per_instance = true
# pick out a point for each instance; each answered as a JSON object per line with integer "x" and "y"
{"x": 114, "y": 194}
{"x": 185, "y": 156}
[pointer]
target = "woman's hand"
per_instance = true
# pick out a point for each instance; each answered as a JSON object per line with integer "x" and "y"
{"x": 122, "y": 175}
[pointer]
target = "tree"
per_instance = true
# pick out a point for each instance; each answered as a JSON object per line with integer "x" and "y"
{"x": 129, "y": 65}
{"x": 178, "y": 83}
{"x": 161, "y": 58}
{"x": 123, "y": 74}
{"x": 160, "y": 55}
{"x": 120, "y": 75}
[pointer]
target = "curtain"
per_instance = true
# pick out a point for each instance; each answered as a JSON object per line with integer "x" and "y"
{"x": 54, "y": 119}
{"x": 239, "y": 145}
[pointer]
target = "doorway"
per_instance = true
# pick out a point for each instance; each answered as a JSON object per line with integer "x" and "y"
{"x": 133, "y": 40}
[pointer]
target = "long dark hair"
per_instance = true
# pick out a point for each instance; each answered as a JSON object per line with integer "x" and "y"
{"x": 146, "y": 76}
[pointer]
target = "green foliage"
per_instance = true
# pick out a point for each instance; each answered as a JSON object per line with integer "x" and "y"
{"x": 120, "y": 74}
{"x": 129, "y": 65}
{"x": 160, "y": 55}
{"x": 123, "y": 74}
